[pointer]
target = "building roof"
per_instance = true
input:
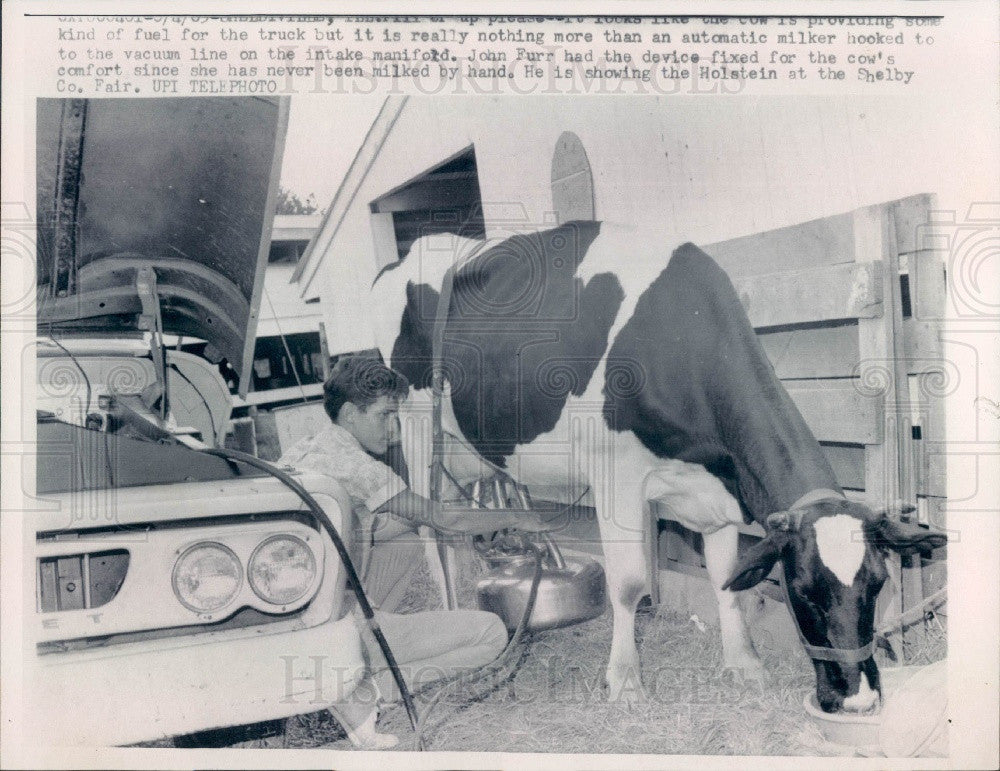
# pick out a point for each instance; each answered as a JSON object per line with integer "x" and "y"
{"x": 295, "y": 227}
{"x": 282, "y": 309}
{"x": 380, "y": 129}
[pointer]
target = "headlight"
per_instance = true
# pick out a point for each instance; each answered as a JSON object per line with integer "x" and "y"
{"x": 281, "y": 569}
{"x": 207, "y": 576}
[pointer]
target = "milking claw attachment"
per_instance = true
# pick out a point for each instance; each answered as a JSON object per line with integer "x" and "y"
{"x": 570, "y": 590}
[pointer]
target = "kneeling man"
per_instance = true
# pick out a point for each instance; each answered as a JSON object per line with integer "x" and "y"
{"x": 362, "y": 397}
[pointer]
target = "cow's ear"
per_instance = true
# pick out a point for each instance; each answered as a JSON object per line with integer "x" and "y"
{"x": 906, "y": 538}
{"x": 757, "y": 562}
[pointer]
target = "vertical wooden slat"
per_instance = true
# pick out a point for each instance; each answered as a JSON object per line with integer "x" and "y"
{"x": 878, "y": 356}
{"x": 910, "y": 216}
{"x": 652, "y": 519}
{"x": 900, "y": 404}
{"x": 882, "y": 371}
{"x": 927, "y": 294}
{"x": 934, "y": 573}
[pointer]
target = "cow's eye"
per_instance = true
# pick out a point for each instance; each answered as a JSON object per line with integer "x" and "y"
{"x": 808, "y": 592}
{"x": 875, "y": 583}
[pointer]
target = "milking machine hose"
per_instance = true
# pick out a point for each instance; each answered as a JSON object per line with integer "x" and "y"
{"x": 501, "y": 661}
{"x": 345, "y": 558}
{"x": 416, "y": 722}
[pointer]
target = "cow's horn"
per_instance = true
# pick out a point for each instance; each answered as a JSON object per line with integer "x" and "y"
{"x": 786, "y": 521}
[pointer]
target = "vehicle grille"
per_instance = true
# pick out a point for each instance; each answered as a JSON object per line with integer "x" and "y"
{"x": 80, "y": 580}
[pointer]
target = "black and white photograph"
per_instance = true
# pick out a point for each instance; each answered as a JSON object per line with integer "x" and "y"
{"x": 607, "y": 428}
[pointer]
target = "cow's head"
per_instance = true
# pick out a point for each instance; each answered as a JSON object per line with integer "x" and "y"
{"x": 833, "y": 554}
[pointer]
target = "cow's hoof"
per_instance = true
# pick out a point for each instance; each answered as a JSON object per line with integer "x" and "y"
{"x": 749, "y": 668}
{"x": 629, "y": 697}
{"x": 626, "y": 688}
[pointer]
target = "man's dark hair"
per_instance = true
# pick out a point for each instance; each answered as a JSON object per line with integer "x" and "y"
{"x": 360, "y": 380}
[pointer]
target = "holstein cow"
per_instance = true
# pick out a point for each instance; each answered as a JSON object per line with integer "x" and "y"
{"x": 588, "y": 355}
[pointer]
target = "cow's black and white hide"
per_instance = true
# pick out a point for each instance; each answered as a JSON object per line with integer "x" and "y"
{"x": 589, "y": 355}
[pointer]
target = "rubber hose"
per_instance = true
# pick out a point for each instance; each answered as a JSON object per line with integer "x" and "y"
{"x": 500, "y": 661}
{"x": 345, "y": 558}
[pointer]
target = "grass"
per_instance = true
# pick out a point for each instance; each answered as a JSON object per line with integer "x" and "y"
{"x": 555, "y": 700}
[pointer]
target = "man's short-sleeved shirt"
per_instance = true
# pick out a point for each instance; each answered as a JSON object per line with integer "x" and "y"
{"x": 334, "y": 452}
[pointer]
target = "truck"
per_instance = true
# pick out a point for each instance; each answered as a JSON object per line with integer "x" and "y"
{"x": 175, "y": 591}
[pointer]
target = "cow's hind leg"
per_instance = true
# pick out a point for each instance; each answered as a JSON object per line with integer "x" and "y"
{"x": 720, "y": 559}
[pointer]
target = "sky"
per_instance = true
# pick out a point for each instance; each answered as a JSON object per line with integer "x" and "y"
{"x": 324, "y": 135}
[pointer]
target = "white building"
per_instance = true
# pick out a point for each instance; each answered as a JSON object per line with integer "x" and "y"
{"x": 678, "y": 168}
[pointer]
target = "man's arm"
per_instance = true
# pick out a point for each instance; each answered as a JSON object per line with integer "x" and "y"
{"x": 422, "y": 511}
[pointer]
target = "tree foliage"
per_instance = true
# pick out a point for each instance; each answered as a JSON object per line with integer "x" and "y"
{"x": 290, "y": 203}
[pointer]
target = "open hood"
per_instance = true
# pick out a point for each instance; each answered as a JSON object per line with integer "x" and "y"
{"x": 157, "y": 212}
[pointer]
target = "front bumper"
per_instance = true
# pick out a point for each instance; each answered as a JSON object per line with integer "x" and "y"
{"x": 149, "y": 689}
{"x": 145, "y": 691}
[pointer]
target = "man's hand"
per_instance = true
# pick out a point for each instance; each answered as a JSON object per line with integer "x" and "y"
{"x": 528, "y": 521}
{"x": 462, "y": 519}
{"x": 475, "y": 520}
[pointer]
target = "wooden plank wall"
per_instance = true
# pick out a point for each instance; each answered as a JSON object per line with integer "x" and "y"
{"x": 826, "y": 299}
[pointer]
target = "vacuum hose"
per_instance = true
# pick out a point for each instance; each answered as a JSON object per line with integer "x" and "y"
{"x": 345, "y": 558}
{"x": 418, "y": 724}
{"x": 501, "y": 660}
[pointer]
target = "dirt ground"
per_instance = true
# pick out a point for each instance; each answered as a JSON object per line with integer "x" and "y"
{"x": 554, "y": 699}
{"x": 551, "y": 698}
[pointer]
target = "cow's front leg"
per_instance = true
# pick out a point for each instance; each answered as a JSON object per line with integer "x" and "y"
{"x": 624, "y": 591}
{"x": 720, "y": 559}
{"x": 622, "y": 534}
